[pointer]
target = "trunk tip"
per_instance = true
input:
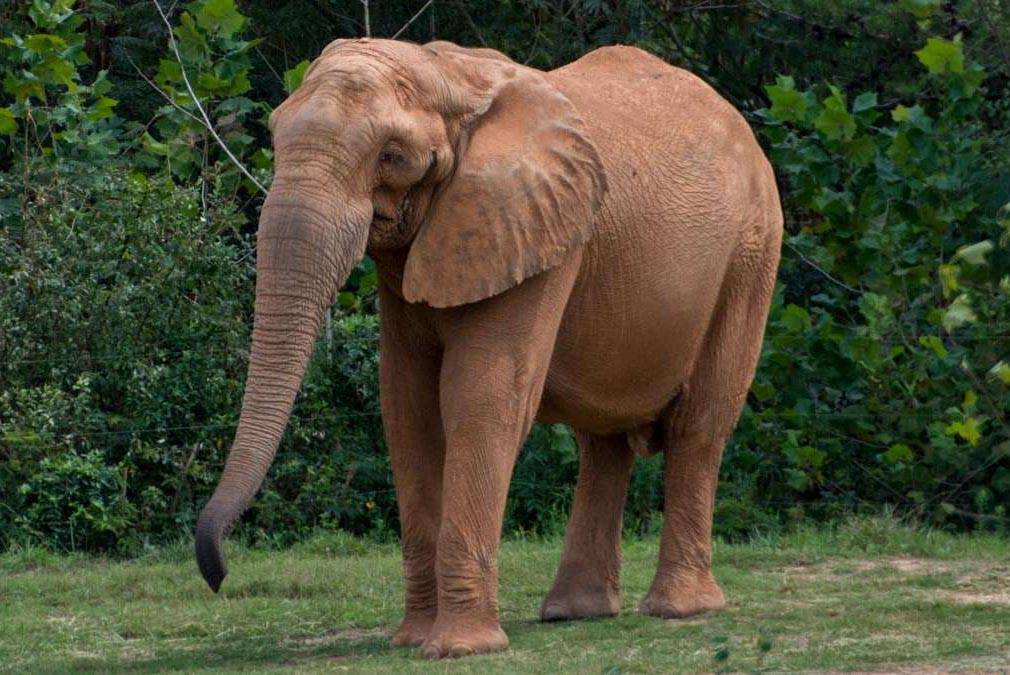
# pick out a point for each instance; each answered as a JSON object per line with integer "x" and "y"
{"x": 208, "y": 552}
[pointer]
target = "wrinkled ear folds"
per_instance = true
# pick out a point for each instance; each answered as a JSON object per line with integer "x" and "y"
{"x": 525, "y": 191}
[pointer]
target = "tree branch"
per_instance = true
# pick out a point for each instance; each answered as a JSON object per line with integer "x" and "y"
{"x": 820, "y": 269}
{"x": 469, "y": 19}
{"x": 368, "y": 21}
{"x": 196, "y": 101}
{"x": 161, "y": 91}
{"x": 411, "y": 20}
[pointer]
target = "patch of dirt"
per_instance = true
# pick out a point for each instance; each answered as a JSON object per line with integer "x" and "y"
{"x": 902, "y": 669}
{"x": 918, "y": 566}
{"x": 978, "y": 598}
{"x": 338, "y": 635}
{"x": 976, "y": 665}
{"x": 827, "y": 570}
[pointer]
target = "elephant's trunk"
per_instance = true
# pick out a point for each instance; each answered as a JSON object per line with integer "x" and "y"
{"x": 307, "y": 245}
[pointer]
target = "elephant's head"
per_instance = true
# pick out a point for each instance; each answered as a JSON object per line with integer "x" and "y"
{"x": 475, "y": 165}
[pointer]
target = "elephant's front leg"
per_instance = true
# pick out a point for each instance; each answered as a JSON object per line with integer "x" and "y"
{"x": 481, "y": 448}
{"x": 409, "y": 371}
{"x": 493, "y": 373}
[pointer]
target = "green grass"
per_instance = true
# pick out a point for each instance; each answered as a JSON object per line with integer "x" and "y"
{"x": 869, "y": 595}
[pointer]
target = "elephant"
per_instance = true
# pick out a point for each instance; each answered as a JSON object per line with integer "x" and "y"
{"x": 595, "y": 245}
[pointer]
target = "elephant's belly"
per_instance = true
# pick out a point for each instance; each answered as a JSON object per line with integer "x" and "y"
{"x": 615, "y": 369}
{"x": 633, "y": 328}
{"x": 617, "y": 387}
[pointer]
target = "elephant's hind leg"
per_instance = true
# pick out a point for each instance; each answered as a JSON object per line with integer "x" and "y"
{"x": 588, "y": 579}
{"x": 699, "y": 426}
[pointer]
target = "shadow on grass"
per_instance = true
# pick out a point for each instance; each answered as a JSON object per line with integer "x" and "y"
{"x": 252, "y": 653}
{"x": 246, "y": 653}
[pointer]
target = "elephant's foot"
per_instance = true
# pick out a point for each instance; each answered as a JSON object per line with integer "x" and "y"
{"x": 568, "y": 604}
{"x": 463, "y": 636}
{"x": 682, "y": 595}
{"x": 415, "y": 628}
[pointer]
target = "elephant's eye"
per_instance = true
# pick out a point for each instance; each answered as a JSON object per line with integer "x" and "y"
{"x": 391, "y": 158}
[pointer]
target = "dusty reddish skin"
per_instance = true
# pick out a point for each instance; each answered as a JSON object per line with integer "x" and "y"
{"x": 596, "y": 245}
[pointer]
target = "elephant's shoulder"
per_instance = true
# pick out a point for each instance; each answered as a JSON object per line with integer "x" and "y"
{"x": 621, "y": 61}
{"x": 630, "y": 74}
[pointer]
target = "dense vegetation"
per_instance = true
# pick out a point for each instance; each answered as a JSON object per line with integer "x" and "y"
{"x": 127, "y": 260}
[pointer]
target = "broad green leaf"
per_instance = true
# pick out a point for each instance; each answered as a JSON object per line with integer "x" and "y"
{"x": 970, "y": 401}
{"x": 915, "y": 116}
{"x": 153, "y": 146}
{"x": 808, "y": 455}
{"x": 899, "y": 452}
{"x": 40, "y": 43}
{"x": 24, "y": 87}
{"x": 101, "y": 85}
{"x": 1001, "y": 372}
{"x": 168, "y": 72}
{"x": 861, "y": 151}
{"x": 795, "y": 318}
{"x": 901, "y": 149}
{"x": 975, "y": 253}
{"x": 835, "y": 121}
{"x": 219, "y": 15}
{"x": 942, "y": 56}
{"x": 54, "y": 70}
{"x": 293, "y": 76}
{"x": 346, "y": 299}
{"x": 102, "y": 109}
{"x": 8, "y": 123}
{"x": 920, "y": 9}
{"x": 865, "y": 101}
{"x": 210, "y": 84}
{"x": 950, "y": 279}
{"x": 970, "y": 430}
{"x": 762, "y": 391}
{"x": 788, "y": 105}
{"x": 935, "y": 344}
{"x": 959, "y": 313}
{"x": 797, "y": 480}
{"x": 192, "y": 42}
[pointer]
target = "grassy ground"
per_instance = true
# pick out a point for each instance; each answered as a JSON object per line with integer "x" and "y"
{"x": 870, "y": 595}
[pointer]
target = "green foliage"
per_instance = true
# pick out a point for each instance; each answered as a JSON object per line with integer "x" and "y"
{"x": 206, "y": 70}
{"x": 123, "y": 321}
{"x": 126, "y": 263}
{"x": 873, "y": 382}
{"x": 44, "y": 106}
{"x": 76, "y": 502}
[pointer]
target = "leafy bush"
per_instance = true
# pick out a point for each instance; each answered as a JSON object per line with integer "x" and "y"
{"x": 76, "y": 502}
{"x": 50, "y": 107}
{"x": 874, "y": 382}
{"x": 123, "y": 323}
{"x": 126, "y": 265}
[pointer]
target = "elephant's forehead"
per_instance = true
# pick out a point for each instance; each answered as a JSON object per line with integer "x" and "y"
{"x": 327, "y": 109}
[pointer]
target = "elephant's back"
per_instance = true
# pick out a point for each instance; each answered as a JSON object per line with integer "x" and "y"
{"x": 653, "y": 122}
{"x": 683, "y": 173}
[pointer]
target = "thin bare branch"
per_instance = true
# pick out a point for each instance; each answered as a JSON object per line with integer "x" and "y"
{"x": 269, "y": 65}
{"x": 368, "y": 21}
{"x": 411, "y": 20}
{"x": 196, "y": 101}
{"x": 469, "y": 19}
{"x": 163, "y": 93}
{"x": 823, "y": 271}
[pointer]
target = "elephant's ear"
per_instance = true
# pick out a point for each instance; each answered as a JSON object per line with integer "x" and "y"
{"x": 526, "y": 188}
